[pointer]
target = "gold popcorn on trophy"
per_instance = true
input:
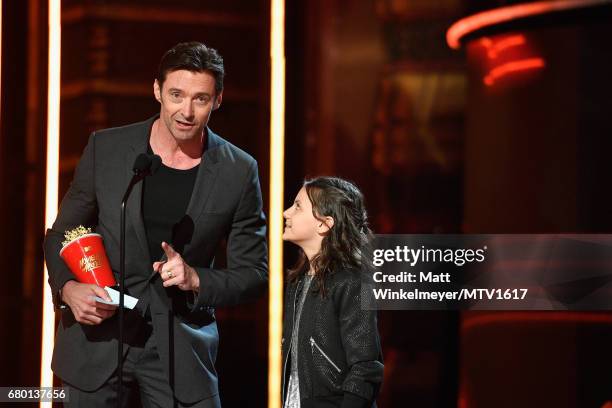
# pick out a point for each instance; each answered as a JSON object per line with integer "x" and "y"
{"x": 84, "y": 253}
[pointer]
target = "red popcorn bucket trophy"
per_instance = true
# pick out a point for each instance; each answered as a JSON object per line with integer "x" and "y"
{"x": 85, "y": 255}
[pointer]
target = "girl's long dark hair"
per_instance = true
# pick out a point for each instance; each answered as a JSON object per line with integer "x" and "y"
{"x": 345, "y": 244}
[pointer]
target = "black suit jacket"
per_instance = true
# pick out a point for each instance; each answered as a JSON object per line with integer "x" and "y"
{"x": 225, "y": 203}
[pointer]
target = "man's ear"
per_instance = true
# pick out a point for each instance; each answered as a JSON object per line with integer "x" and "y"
{"x": 157, "y": 91}
{"x": 218, "y": 100}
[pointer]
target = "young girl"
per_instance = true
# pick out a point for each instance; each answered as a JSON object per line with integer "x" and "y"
{"x": 331, "y": 348}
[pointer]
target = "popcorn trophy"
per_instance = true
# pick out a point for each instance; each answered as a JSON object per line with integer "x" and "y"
{"x": 84, "y": 253}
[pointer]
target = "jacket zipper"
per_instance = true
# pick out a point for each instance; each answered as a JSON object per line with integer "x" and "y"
{"x": 290, "y": 342}
{"x": 313, "y": 344}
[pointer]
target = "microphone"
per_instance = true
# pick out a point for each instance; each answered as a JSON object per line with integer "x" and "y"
{"x": 146, "y": 164}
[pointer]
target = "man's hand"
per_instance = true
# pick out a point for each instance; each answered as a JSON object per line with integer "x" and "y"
{"x": 175, "y": 271}
{"x": 80, "y": 298}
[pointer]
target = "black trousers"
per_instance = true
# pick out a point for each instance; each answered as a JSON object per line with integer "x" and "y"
{"x": 144, "y": 383}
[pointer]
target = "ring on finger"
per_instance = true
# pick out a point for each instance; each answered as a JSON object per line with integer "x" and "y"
{"x": 169, "y": 273}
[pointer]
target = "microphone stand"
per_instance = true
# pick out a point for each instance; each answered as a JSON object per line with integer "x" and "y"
{"x": 135, "y": 179}
{"x": 144, "y": 166}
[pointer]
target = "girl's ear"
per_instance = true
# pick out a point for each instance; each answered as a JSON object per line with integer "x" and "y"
{"x": 326, "y": 225}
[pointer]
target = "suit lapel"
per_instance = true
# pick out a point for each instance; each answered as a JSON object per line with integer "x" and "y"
{"x": 206, "y": 177}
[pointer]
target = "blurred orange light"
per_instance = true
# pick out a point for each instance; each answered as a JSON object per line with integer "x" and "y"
{"x": 501, "y": 15}
{"x": 52, "y": 181}
{"x": 512, "y": 67}
{"x": 277, "y": 165}
{"x": 494, "y": 48}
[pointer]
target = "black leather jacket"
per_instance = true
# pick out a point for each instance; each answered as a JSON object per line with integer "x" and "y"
{"x": 340, "y": 357}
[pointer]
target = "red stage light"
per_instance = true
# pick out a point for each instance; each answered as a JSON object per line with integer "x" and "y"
{"x": 495, "y": 48}
{"x": 505, "y": 14}
{"x": 512, "y": 67}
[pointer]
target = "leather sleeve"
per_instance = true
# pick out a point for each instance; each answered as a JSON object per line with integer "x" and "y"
{"x": 351, "y": 400}
{"x": 360, "y": 339}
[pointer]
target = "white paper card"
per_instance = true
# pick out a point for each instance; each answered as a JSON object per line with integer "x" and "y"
{"x": 129, "y": 302}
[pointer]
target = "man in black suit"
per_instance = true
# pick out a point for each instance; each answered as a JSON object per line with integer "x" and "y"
{"x": 206, "y": 190}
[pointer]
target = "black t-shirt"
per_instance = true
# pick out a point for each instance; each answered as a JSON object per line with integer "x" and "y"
{"x": 165, "y": 197}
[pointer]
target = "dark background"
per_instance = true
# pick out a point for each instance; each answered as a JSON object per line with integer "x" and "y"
{"x": 374, "y": 94}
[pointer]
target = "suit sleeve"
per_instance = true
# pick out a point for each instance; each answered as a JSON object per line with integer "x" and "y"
{"x": 78, "y": 207}
{"x": 359, "y": 334}
{"x": 246, "y": 274}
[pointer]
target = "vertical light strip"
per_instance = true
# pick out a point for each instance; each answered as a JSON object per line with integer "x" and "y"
{"x": 277, "y": 168}
{"x": 52, "y": 181}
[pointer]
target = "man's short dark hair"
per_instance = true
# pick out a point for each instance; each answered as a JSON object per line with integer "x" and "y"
{"x": 195, "y": 57}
